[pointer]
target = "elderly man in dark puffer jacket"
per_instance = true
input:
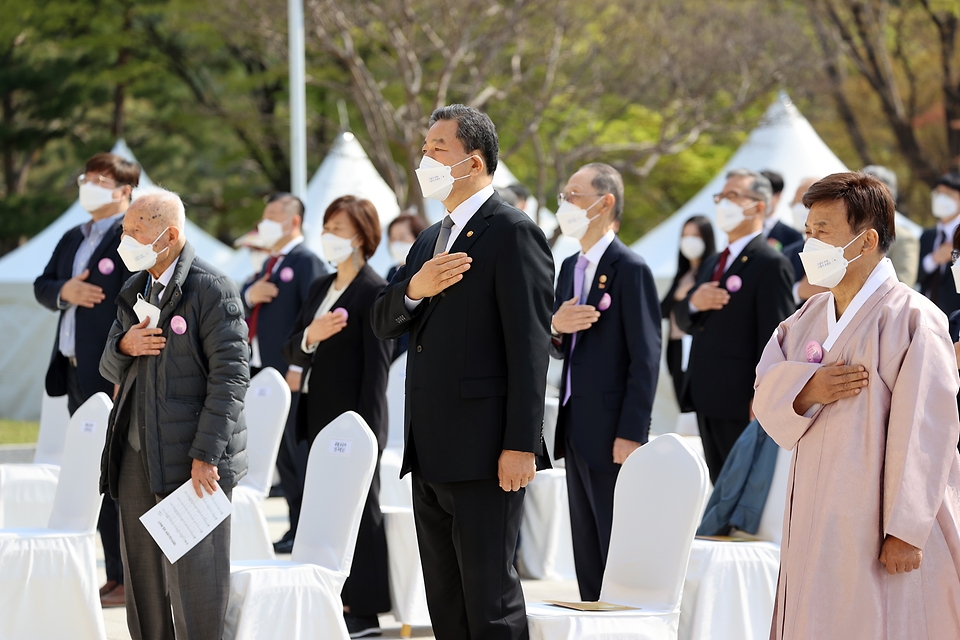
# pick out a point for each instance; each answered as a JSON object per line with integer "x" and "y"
{"x": 177, "y": 417}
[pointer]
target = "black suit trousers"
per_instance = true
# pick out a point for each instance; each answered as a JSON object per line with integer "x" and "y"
{"x": 718, "y": 436}
{"x": 473, "y": 590}
{"x": 108, "y": 524}
{"x": 590, "y": 493}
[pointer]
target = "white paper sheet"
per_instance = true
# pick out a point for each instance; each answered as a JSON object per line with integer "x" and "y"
{"x": 181, "y": 520}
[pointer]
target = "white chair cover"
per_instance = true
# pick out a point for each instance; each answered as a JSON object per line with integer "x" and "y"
{"x": 26, "y": 494}
{"x": 54, "y": 418}
{"x": 656, "y": 509}
{"x": 729, "y": 591}
{"x": 300, "y": 598}
{"x": 48, "y": 577}
{"x": 394, "y": 490}
{"x": 771, "y": 520}
{"x": 407, "y": 591}
{"x": 546, "y": 544}
{"x": 265, "y": 409}
{"x": 396, "y": 396}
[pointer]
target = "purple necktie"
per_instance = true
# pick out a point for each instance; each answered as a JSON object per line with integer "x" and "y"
{"x": 578, "y": 278}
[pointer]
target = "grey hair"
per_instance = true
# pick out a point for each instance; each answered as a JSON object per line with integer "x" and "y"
{"x": 475, "y": 131}
{"x": 884, "y": 175}
{"x": 606, "y": 180}
{"x": 760, "y": 188}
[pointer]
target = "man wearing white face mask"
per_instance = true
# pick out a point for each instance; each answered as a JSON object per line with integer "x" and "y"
{"x": 475, "y": 297}
{"x": 81, "y": 281}
{"x": 606, "y": 329}
{"x": 740, "y": 296}
{"x": 936, "y": 244}
{"x": 861, "y": 385}
{"x": 178, "y": 351}
{"x": 272, "y": 300}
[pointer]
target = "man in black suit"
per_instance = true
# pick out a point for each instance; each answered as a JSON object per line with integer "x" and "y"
{"x": 777, "y": 234}
{"x": 936, "y": 245}
{"x": 475, "y": 297}
{"x": 273, "y": 300}
{"x": 740, "y": 297}
{"x": 606, "y": 328}
{"x": 81, "y": 281}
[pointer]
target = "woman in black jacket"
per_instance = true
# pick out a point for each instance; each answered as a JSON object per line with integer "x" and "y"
{"x": 345, "y": 368}
{"x": 696, "y": 245}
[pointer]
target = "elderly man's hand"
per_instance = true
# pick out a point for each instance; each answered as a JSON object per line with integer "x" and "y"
{"x": 442, "y": 271}
{"x": 622, "y": 448}
{"x": 829, "y": 384}
{"x": 899, "y": 556}
{"x": 572, "y": 317}
{"x": 516, "y": 469}
{"x": 141, "y": 341}
{"x": 710, "y": 297}
{"x": 205, "y": 475}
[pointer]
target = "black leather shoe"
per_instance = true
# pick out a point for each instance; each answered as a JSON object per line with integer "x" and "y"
{"x": 362, "y": 626}
{"x": 283, "y": 545}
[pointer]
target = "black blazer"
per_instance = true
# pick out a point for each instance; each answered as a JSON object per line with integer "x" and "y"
{"x": 477, "y": 364}
{"x": 936, "y": 286}
{"x": 276, "y": 318}
{"x": 785, "y": 235}
{"x": 349, "y": 370}
{"x": 614, "y": 367}
{"x": 727, "y": 343}
{"x": 92, "y": 325}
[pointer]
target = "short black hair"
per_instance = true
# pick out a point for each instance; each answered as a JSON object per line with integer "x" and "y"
{"x": 475, "y": 131}
{"x": 776, "y": 180}
{"x": 950, "y": 180}
{"x": 283, "y": 195}
{"x": 868, "y": 201}
{"x": 522, "y": 192}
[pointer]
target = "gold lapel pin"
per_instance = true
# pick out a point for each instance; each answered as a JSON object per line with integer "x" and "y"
{"x": 469, "y": 233}
{"x": 602, "y": 286}
{"x": 743, "y": 259}
{"x": 603, "y": 278}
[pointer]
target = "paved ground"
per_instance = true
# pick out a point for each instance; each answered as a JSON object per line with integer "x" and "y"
{"x": 276, "y": 512}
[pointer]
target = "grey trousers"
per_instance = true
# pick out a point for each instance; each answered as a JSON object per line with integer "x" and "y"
{"x": 196, "y": 588}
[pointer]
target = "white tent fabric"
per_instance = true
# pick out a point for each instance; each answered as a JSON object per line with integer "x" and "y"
{"x": 28, "y": 329}
{"x": 348, "y": 171}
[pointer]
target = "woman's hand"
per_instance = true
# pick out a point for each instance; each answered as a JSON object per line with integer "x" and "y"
{"x": 325, "y": 326}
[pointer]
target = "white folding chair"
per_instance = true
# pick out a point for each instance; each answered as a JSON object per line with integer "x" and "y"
{"x": 656, "y": 509}
{"x": 396, "y": 396}
{"x": 265, "y": 409}
{"x": 27, "y": 489}
{"x": 48, "y": 577}
{"x": 771, "y": 520}
{"x": 300, "y": 598}
{"x": 394, "y": 491}
{"x": 407, "y": 590}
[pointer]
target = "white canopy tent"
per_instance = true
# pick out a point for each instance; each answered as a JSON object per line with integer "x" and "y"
{"x": 28, "y": 328}
{"x": 347, "y": 170}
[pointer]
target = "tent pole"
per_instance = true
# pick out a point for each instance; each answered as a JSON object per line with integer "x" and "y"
{"x": 298, "y": 100}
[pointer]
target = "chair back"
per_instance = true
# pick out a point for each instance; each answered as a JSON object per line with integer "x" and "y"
{"x": 265, "y": 410}
{"x": 54, "y": 418}
{"x": 396, "y": 396}
{"x": 76, "y": 505}
{"x": 339, "y": 471}
{"x": 771, "y": 520}
{"x": 656, "y": 509}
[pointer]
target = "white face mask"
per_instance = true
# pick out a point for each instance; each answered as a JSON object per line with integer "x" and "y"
{"x": 943, "y": 206}
{"x": 399, "y": 251}
{"x": 799, "y": 216}
{"x": 269, "y": 233}
{"x": 436, "y": 179}
{"x": 136, "y": 256}
{"x": 824, "y": 263}
{"x": 692, "y": 247}
{"x": 573, "y": 220}
{"x": 335, "y": 248}
{"x": 93, "y": 196}
{"x": 730, "y": 214}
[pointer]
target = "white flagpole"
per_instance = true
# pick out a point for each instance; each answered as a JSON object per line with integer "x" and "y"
{"x": 298, "y": 101}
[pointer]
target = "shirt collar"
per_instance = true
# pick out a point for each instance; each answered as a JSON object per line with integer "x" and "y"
{"x": 596, "y": 252}
{"x": 736, "y": 247}
{"x": 287, "y": 248}
{"x": 462, "y": 214}
{"x": 949, "y": 227}
{"x": 165, "y": 277}
{"x": 769, "y": 224}
{"x": 99, "y": 226}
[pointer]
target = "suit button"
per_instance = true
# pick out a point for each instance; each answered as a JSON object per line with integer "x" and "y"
{"x": 702, "y": 329}
{"x": 419, "y": 348}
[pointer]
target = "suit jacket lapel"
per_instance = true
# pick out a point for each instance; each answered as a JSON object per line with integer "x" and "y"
{"x": 606, "y": 270}
{"x": 742, "y": 261}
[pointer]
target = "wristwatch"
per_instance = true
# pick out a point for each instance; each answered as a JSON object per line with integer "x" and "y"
{"x": 553, "y": 331}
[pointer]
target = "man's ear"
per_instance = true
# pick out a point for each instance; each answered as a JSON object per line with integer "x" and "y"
{"x": 477, "y": 163}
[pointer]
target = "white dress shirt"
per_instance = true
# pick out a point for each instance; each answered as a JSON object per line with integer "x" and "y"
{"x": 736, "y": 248}
{"x": 929, "y": 264}
{"x": 164, "y": 279}
{"x": 254, "y": 342}
{"x": 333, "y": 294}
{"x": 593, "y": 256}
{"x": 460, "y": 216}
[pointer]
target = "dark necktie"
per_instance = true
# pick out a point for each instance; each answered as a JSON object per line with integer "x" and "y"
{"x": 155, "y": 290}
{"x": 254, "y": 315}
{"x": 721, "y": 265}
{"x": 579, "y": 275}
{"x": 444, "y": 236}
